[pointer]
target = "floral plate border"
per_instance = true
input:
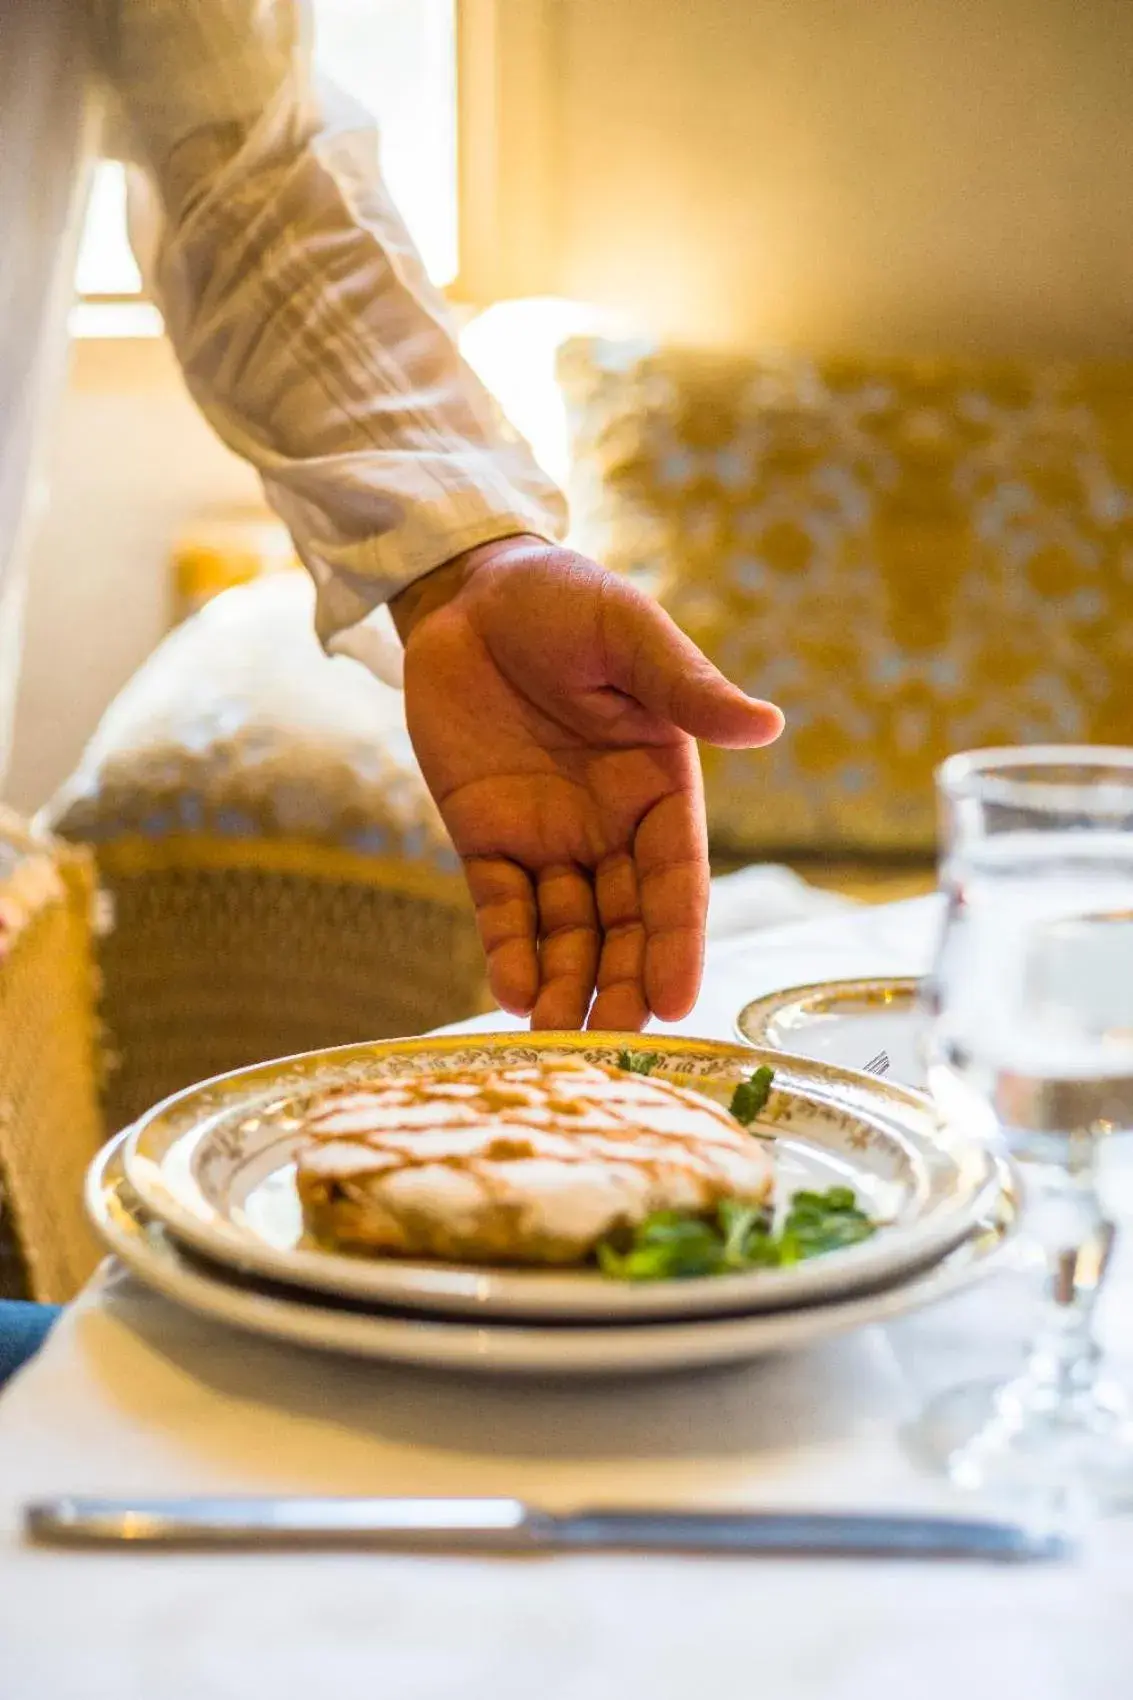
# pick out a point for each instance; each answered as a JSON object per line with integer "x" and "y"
{"x": 178, "y": 1156}
{"x": 562, "y": 1351}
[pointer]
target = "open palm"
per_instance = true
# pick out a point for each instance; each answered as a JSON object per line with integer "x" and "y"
{"x": 553, "y": 709}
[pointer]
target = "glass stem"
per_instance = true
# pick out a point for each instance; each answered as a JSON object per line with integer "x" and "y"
{"x": 1064, "y": 1360}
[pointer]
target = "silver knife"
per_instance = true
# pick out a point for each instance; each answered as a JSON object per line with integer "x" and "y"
{"x": 509, "y": 1526}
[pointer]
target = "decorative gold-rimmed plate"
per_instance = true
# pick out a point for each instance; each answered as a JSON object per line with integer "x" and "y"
{"x": 871, "y": 1026}
{"x": 215, "y": 1164}
{"x": 499, "y": 1348}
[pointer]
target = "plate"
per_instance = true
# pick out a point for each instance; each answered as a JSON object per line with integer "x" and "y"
{"x": 215, "y": 1164}
{"x": 850, "y": 1023}
{"x": 561, "y": 1351}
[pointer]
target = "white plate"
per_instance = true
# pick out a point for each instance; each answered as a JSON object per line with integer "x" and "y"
{"x": 216, "y": 1165}
{"x": 505, "y": 1348}
{"x": 845, "y": 1022}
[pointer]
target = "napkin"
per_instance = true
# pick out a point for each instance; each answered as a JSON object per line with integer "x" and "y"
{"x": 766, "y": 895}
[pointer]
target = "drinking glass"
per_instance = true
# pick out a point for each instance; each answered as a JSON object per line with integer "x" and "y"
{"x": 1030, "y": 1041}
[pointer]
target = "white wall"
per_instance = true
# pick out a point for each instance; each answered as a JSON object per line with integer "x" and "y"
{"x": 132, "y": 465}
{"x": 851, "y": 175}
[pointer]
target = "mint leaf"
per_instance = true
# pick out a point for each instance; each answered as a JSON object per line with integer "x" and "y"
{"x": 669, "y": 1246}
{"x": 611, "y": 1261}
{"x": 677, "y": 1244}
{"x": 638, "y": 1062}
{"x": 740, "y": 1223}
{"x": 750, "y": 1096}
{"x": 826, "y": 1221}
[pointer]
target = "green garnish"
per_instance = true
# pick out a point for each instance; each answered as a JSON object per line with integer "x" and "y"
{"x": 666, "y": 1245}
{"x": 750, "y": 1096}
{"x": 638, "y": 1062}
{"x": 826, "y": 1221}
{"x": 676, "y": 1245}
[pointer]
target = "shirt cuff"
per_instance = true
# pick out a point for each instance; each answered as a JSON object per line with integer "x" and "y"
{"x": 371, "y": 638}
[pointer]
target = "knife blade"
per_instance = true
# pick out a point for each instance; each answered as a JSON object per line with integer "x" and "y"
{"x": 509, "y": 1526}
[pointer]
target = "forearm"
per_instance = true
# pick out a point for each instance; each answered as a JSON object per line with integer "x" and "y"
{"x": 313, "y": 342}
{"x": 306, "y": 327}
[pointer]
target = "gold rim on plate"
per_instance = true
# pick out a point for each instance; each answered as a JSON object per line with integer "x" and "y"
{"x": 213, "y": 1164}
{"x": 770, "y": 1021}
{"x": 565, "y": 1351}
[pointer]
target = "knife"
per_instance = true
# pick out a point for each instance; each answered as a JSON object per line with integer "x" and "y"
{"x": 509, "y": 1526}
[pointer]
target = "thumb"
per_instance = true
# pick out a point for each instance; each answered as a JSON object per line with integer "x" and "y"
{"x": 650, "y": 659}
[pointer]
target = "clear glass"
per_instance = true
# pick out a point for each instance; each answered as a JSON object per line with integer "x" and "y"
{"x": 1030, "y": 1040}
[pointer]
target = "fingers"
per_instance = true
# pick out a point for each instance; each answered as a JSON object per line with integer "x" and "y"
{"x": 637, "y": 931}
{"x": 671, "y": 853}
{"x": 650, "y": 659}
{"x": 506, "y": 917}
{"x": 640, "y": 934}
{"x": 653, "y": 907}
{"x": 568, "y": 950}
{"x": 620, "y": 1004}
{"x": 542, "y": 956}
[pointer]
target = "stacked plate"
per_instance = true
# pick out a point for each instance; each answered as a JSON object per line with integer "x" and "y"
{"x": 199, "y": 1200}
{"x": 875, "y": 1025}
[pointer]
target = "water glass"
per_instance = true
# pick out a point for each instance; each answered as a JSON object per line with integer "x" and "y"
{"x": 1030, "y": 1041}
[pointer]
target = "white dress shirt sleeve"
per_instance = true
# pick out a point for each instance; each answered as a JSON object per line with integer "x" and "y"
{"x": 299, "y": 309}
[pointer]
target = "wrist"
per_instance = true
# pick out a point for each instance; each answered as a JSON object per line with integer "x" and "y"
{"x": 434, "y": 590}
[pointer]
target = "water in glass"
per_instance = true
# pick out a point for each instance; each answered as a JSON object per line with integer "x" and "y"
{"x": 1031, "y": 1041}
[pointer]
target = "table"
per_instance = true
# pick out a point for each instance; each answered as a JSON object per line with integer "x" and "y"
{"x": 131, "y": 1395}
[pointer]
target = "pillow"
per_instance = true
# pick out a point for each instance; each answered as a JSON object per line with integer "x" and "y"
{"x": 279, "y": 875}
{"x": 239, "y": 726}
{"x": 911, "y": 558}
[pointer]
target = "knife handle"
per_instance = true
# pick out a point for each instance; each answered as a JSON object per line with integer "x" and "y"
{"x": 482, "y": 1525}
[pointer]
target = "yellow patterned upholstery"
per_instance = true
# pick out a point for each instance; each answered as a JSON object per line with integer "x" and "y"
{"x": 50, "y": 1126}
{"x": 280, "y": 877}
{"x": 911, "y": 558}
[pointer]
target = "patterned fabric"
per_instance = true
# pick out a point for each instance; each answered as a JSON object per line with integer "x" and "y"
{"x": 240, "y": 727}
{"x": 910, "y": 558}
{"x": 279, "y": 876}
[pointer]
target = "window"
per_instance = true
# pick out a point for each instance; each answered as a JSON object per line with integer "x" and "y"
{"x": 106, "y": 265}
{"x": 398, "y": 59}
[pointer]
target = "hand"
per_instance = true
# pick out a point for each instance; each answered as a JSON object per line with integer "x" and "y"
{"x": 553, "y": 708}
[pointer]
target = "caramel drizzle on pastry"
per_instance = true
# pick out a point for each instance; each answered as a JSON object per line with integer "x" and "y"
{"x": 548, "y": 1111}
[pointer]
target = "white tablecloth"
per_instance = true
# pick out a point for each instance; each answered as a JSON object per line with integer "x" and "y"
{"x": 130, "y": 1395}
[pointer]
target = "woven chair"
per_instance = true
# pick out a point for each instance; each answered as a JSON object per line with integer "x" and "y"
{"x": 278, "y": 874}
{"x": 50, "y": 1126}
